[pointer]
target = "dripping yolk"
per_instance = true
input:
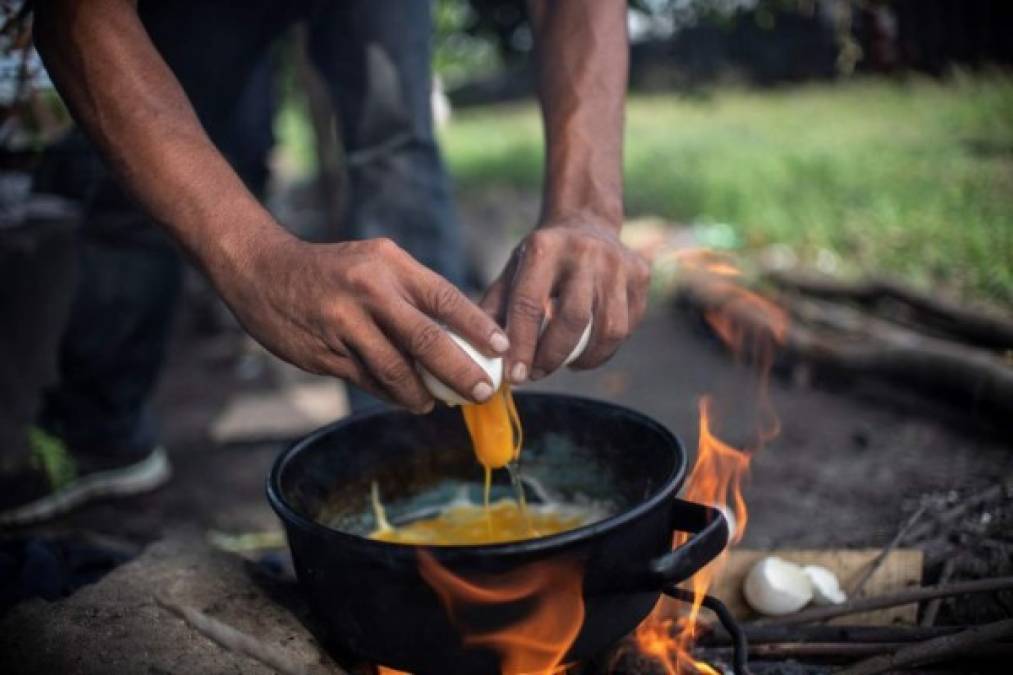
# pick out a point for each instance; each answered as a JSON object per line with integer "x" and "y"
{"x": 495, "y": 429}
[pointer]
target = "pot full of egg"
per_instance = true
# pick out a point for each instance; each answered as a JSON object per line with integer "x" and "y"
{"x": 416, "y": 556}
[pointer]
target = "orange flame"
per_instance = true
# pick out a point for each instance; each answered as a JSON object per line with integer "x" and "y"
{"x": 751, "y": 327}
{"x": 550, "y": 591}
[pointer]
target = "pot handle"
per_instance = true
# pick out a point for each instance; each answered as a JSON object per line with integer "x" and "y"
{"x": 710, "y": 536}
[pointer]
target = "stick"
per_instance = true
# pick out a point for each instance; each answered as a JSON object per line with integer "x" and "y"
{"x": 932, "y": 608}
{"x": 842, "y": 339}
{"x": 986, "y": 328}
{"x": 845, "y": 651}
{"x": 238, "y": 642}
{"x": 904, "y": 597}
{"x": 933, "y": 650}
{"x": 997, "y": 491}
{"x": 829, "y": 633}
{"x": 877, "y": 562}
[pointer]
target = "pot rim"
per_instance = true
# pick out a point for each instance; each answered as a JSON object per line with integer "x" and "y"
{"x": 290, "y": 516}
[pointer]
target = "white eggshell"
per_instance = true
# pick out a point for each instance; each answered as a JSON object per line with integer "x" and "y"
{"x": 493, "y": 367}
{"x": 826, "y": 586}
{"x": 775, "y": 587}
{"x": 581, "y": 345}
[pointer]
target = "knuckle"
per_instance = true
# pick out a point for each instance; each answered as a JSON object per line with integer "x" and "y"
{"x": 425, "y": 338}
{"x": 359, "y": 278}
{"x": 445, "y": 299}
{"x": 539, "y": 243}
{"x": 386, "y": 246}
{"x": 394, "y": 371}
{"x": 527, "y": 308}
{"x": 614, "y": 331}
{"x": 573, "y": 320}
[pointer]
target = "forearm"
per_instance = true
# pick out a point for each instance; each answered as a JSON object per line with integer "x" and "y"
{"x": 126, "y": 98}
{"x": 583, "y": 61}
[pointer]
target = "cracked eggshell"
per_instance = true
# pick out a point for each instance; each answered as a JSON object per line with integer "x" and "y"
{"x": 826, "y": 586}
{"x": 581, "y": 345}
{"x": 493, "y": 367}
{"x": 775, "y": 587}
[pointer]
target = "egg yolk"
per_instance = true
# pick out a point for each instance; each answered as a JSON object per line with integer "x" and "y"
{"x": 495, "y": 429}
{"x": 470, "y": 524}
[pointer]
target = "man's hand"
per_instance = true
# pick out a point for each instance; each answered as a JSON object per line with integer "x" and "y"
{"x": 571, "y": 273}
{"x": 364, "y": 311}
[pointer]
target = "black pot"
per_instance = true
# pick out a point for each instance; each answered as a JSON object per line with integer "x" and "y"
{"x": 369, "y": 597}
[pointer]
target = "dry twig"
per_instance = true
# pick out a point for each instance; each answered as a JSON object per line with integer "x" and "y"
{"x": 934, "y": 650}
{"x": 932, "y": 608}
{"x": 830, "y": 633}
{"x": 904, "y": 597}
{"x": 877, "y": 562}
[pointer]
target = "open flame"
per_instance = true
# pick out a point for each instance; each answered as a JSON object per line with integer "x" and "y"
{"x": 751, "y": 327}
{"x": 534, "y": 644}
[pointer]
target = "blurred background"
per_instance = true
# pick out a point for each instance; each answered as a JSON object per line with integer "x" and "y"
{"x": 859, "y": 141}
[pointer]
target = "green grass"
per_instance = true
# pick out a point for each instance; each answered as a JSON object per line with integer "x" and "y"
{"x": 913, "y": 179}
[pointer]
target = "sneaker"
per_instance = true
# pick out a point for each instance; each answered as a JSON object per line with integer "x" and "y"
{"x": 54, "y": 481}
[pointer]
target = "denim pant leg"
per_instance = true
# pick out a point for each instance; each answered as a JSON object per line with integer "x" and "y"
{"x": 375, "y": 56}
{"x": 37, "y": 274}
{"x": 114, "y": 348}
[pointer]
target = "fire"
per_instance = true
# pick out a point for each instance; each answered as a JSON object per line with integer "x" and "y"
{"x": 536, "y": 643}
{"x": 751, "y": 327}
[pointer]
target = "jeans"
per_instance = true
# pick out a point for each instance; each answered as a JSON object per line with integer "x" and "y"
{"x": 374, "y": 56}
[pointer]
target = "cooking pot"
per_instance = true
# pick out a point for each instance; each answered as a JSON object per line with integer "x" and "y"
{"x": 369, "y": 597}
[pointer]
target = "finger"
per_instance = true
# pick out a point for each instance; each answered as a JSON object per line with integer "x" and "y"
{"x": 611, "y": 325}
{"x": 564, "y": 330}
{"x": 526, "y": 305}
{"x": 638, "y": 292}
{"x": 439, "y": 299}
{"x": 391, "y": 369}
{"x": 354, "y": 371}
{"x": 428, "y": 343}
{"x": 493, "y": 302}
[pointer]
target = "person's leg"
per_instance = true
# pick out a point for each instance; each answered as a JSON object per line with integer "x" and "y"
{"x": 375, "y": 57}
{"x": 113, "y": 350}
{"x": 37, "y": 273}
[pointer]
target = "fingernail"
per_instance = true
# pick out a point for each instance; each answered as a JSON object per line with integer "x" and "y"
{"x": 481, "y": 391}
{"x": 537, "y": 374}
{"x": 519, "y": 373}
{"x": 499, "y": 342}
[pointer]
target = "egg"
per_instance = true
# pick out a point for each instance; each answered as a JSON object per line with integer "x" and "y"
{"x": 775, "y": 587}
{"x": 493, "y": 368}
{"x": 826, "y": 586}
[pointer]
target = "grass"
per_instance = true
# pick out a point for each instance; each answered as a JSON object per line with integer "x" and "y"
{"x": 913, "y": 179}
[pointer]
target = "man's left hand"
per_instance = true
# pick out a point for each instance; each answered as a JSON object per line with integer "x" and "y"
{"x": 573, "y": 272}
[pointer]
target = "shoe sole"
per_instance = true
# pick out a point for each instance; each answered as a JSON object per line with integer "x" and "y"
{"x": 151, "y": 472}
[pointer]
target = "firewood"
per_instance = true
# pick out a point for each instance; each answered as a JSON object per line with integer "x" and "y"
{"x": 829, "y": 633}
{"x": 859, "y": 583}
{"x": 843, "y": 340}
{"x": 932, "y": 608}
{"x": 904, "y": 597}
{"x": 977, "y": 327}
{"x": 853, "y": 650}
{"x": 970, "y": 641}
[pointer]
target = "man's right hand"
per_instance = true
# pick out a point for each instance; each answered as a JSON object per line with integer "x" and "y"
{"x": 364, "y": 311}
